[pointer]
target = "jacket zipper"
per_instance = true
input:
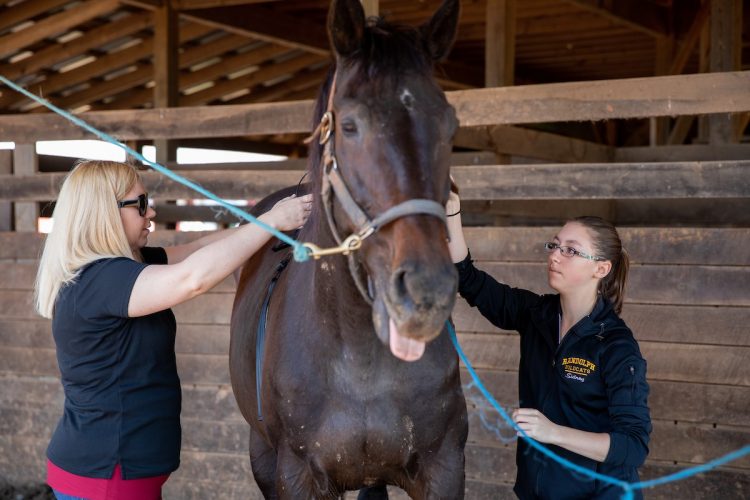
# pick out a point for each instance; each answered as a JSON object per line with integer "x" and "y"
{"x": 632, "y": 384}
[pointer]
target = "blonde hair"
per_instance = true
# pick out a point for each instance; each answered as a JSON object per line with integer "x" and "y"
{"x": 87, "y": 226}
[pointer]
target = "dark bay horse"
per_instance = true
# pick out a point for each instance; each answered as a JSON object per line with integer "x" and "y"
{"x": 359, "y": 383}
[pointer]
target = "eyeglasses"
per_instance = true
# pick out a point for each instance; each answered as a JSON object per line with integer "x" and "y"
{"x": 569, "y": 251}
{"x": 141, "y": 202}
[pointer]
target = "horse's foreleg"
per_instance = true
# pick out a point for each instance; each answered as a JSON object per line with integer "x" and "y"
{"x": 297, "y": 478}
{"x": 263, "y": 462}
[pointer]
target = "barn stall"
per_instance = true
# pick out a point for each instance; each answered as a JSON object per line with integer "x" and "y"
{"x": 521, "y": 160}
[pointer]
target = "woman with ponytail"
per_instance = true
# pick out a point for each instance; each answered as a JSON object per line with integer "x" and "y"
{"x": 582, "y": 379}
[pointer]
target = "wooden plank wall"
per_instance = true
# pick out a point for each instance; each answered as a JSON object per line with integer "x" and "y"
{"x": 688, "y": 303}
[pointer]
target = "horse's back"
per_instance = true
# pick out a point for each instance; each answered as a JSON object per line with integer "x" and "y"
{"x": 252, "y": 287}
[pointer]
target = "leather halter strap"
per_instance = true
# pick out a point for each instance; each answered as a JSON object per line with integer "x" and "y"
{"x": 333, "y": 186}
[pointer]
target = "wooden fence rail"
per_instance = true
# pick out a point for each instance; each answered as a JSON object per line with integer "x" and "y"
{"x": 575, "y": 101}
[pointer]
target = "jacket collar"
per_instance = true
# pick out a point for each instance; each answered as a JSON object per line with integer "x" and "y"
{"x": 601, "y": 318}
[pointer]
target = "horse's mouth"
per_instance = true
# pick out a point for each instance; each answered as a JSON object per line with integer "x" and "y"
{"x": 403, "y": 347}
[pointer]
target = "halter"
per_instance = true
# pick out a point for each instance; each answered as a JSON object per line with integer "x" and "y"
{"x": 333, "y": 186}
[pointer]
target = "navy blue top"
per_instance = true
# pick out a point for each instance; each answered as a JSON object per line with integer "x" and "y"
{"x": 119, "y": 375}
{"x": 594, "y": 380}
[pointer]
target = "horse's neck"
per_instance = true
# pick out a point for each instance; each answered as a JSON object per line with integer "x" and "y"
{"x": 336, "y": 295}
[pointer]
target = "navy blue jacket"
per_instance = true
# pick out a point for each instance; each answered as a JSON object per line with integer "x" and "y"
{"x": 594, "y": 380}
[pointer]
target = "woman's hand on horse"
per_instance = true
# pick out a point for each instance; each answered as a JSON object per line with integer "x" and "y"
{"x": 289, "y": 213}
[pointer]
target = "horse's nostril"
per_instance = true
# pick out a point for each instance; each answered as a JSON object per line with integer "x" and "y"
{"x": 399, "y": 282}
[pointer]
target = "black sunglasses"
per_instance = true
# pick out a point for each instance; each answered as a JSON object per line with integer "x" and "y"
{"x": 141, "y": 202}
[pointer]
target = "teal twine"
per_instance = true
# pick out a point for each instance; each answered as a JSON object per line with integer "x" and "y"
{"x": 300, "y": 252}
{"x": 627, "y": 487}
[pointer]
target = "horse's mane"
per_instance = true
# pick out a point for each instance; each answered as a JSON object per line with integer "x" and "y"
{"x": 388, "y": 50}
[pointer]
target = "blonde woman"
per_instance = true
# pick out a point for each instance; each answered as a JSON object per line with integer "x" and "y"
{"x": 109, "y": 298}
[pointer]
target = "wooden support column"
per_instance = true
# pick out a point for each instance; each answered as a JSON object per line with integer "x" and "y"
{"x": 166, "y": 71}
{"x": 371, "y": 7}
{"x": 500, "y": 43}
{"x": 724, "y": 55}
{"x": 6, "y": 209}
{"x": 500, "y": 49}
{"x": 659, "y": 127}
{"x": 25, "y": 162}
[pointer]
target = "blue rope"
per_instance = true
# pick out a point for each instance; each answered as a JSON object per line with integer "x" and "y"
{"x": 300, "y": 252}
{"x": 628, "y": 488}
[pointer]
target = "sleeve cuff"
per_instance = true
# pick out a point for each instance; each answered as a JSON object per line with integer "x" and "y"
{"x": 465, "y": 264}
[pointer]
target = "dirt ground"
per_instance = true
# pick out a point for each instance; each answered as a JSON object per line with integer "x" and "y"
{"x": 25, "y": 492}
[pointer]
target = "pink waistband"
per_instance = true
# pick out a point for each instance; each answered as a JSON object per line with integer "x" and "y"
{"x": 115, "y": 488}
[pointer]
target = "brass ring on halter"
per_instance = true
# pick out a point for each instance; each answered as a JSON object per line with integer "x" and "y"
{"x": 326, "y": 127}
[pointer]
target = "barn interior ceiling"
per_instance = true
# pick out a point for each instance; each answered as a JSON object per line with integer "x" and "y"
{"x": 87, "y": 55}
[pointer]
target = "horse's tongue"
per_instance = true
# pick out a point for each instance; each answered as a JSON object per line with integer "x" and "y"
{"x": 404, "y": 347}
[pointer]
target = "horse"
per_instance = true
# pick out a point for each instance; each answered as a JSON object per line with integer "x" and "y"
{"x": 343, "y": 366}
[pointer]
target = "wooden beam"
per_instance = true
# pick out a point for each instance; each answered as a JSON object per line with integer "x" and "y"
{"x": 263, "y": 74}
{"x": 19, "y": 13}
{"x": 500, "y": 43}
{"x": 140, "y": 74}
{"x": 690, "y": 41}
{"x": 55, "y": 25}
{"x": 166, "y": 69}
{"x": 278, "y": 92}
{"x": 371, "y": 7}
{"x": 574, "y": 101}
{"x": 6, "y": 207}
{"x": 138, "y": 97}
{"x": 690, "y": 152}
{"x": 269, "y": 25}
{"x": 715, "y": 180}
{"x": 90, "y": 39}
{"x": 640, "y": 15}
{"x": 203, "y": 4}
{"x": 726, "y": 46}
{"x": 692, "y": 38}
{"x": 25, "y": 164}
{"x": 101, "y": 66}
{"x": 517, "y": 141}
{"x": 264, "y": 24}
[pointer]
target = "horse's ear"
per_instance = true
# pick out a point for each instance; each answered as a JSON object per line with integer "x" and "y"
{"x": 346, "y": 26}
{"x": 440, "y": 31}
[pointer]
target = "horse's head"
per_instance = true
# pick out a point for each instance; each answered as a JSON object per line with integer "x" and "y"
{"x": 392, "y": 143}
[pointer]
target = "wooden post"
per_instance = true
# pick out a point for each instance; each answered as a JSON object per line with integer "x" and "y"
{"x": 371, "y": 7}
{"x": 703, "y": 67}
{"x": 26, "y": 162}
{"x": 6, "y": 209}
{"x": 166, "y": 71}
{"x": 659, "y": 127}
{"x": 500, "y": 43}
{"x": 724, "y": 56}
{"x": 500, "y": 48}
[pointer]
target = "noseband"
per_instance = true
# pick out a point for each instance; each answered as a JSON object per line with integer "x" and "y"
{"x": 334, "y": 187}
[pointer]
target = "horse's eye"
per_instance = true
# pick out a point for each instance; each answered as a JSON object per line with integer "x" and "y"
{"x": 349, "y": 127}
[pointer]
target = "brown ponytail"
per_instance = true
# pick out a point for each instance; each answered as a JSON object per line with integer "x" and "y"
{"x": 607, "y": 244}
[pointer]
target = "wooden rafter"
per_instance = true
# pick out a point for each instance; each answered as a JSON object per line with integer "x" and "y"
{"x": 641, "y": 15}
{"x": 264, "y": 24}
{"x": 11, "y": 16}
{"x": 103, "y": 65}
{"x": 142, "y": 73}
{"x": 268, "y": 72}
{"x": 96, "y": 37}
{"x": 304, "y": 81}
{"x": 194, "y": 55}
{"x": 55, "y": 24}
